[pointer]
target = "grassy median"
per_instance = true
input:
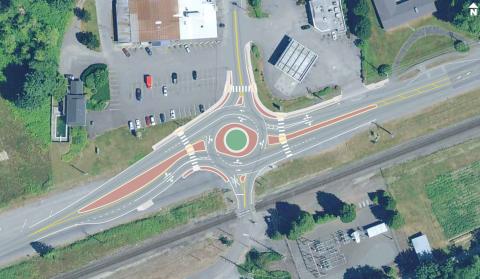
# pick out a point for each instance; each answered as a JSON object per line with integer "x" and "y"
{"x": 105, "y": 243}
{"x": 359, "y": 146}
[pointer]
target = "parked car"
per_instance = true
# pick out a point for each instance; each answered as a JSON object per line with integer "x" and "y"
{"x": 148, "y": 81}
{"x": 194, "y": 75}
{"x": 164, "y": 90}
{"x": 187, "y": 48}
{"x": 138, "y": 124}
{"x": 174, "y": 78}
{"x": 131, "y": 126}
{"x": 222, "y": 25}
{"x": 147, "y": 121}
{"x": 152, "y": 120}
{"x": 172, "y": 114}
{"x": 305, "y": 27}
{"x": 138, "y": 94}
{"x": 125, "y": 51}
{"x": 334, "y": 35}
{"x": 201, "y": 108}
{"x": 148, "y": 50}
{"x": 162, "y": 117}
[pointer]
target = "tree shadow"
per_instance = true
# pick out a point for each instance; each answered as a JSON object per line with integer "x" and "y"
{"x": 41, "y": 248}
{"x": 330, "y": 203}
{"x": 363, "y": 272}
{"x": 281, "y": 218}
{"x": 407, "y": 261}
{"x": 15, "y": 77}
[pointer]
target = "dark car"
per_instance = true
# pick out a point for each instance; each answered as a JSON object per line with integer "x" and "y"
{"x": 162, "y": 117}
{"x": 222, "y": 25}
{"x": 194, "y": 75}
{"x": 174, "y": 78}
{"x": 305, "y": 27}
{"x": 201, "y": 108}
{"x": 125, "y": 51}
{"x": 149, "y": 51}
{"x": 147, "y": 121}
{"x": 138, "y": 94}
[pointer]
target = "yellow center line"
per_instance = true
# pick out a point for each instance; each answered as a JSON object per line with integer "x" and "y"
{"x": 56, "y": 223}
{"x": 414, "y": 92}
{"x": 237, "y": 47}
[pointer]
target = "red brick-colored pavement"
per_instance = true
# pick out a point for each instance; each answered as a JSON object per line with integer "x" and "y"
{"x": 140, "y": 181}
{"x": 223, "y": 149}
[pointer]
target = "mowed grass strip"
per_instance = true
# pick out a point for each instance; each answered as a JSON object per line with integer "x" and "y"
{"x": 91, "y": 25}
{"x": 28, "y": 171}
{"x": 408, "y": 184}
{"x": 426, "y": 47}
{"x": 118, "y": 149}
{"x": 455, "y": 199}
{"x": 359, "y": 146}
{"x": 107, "y": 242}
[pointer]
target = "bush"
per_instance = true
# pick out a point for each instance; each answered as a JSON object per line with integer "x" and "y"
{"x": 348, "y": 213}
{"x": 300, "y": 2}
{"x": 96, "y": 82}
{"x": 362, "y": 8}
{"x": 384, "y": 70}
{"x": 461, "y": 46}
{"x": 324, "y": 218}
{"x": 88, "y": 39}
{"x": 78, "y": 142}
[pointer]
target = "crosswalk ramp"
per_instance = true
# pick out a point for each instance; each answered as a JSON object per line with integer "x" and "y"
{"x": 240, "y": 88}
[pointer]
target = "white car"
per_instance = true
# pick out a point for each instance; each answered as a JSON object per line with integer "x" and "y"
{"x": 130, "y": 126}
{"x": 152, "y": 120}
{"x": 164, "y": 90}
{"x": 138, "y": 124}
{"x": 334, "y": 35}
{"x": 172, "y": 114}
{"x": 187, "y": 48}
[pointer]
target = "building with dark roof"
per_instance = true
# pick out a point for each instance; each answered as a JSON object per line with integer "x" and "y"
{"x": 76, "y": 105}
{"x": 394, "y": 13}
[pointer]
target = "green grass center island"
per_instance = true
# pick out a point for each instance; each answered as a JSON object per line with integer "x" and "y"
{"x": 236, "y": 139}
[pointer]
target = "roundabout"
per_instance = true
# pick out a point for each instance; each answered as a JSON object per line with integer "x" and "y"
{"x": 235, "y": 140}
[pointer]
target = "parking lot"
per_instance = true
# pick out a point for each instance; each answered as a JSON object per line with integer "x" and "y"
{"x": 184, "y": 97}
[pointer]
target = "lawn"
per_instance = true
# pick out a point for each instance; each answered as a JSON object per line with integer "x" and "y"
{"x": 383, "y": 47}
{"x": 118, "y": 149}
{"x": 422, "y": 184}
{"x": 78, "y": 142}
{"x": 91, "y": 25}
{"x": 429, "y": 46}
{"x": 359, "y": 146}
{"x": 106, "y": 243}
{"x": 276, "y": 104}
{"x": 28, "y": 171}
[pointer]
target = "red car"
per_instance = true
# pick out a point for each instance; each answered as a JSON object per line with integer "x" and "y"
{"x": 148, "y": 81}
{"x": 147, "y": 121}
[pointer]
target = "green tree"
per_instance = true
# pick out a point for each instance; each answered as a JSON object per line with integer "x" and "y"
{"x": 303, "y": 224}
{"x": 428, "y": 270}
{"x": 82, "y": 14}
{"x": 464, "y": 21}
{"x": 348, "y": 213}
{"x": 361, "y": 8}
{"x": 38, "y": 87}
{"x": 470, "y": 271}
{"x": 384, "y": 70}
{"x": 88, "y": 39}
{"x": 363, "y": 28}
{"x": 396, "y": 220}
{"x": 461, "y": 46}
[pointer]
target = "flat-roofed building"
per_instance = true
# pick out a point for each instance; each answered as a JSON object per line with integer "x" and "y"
{"x": 394, "y": 13}
{"x": 141, "y": 21}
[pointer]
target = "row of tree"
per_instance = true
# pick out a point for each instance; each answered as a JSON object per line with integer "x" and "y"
{"x": 291, "y": 221}
{"x": 32, "y": 33}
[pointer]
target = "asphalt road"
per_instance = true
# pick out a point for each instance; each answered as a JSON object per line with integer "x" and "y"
{"x": 238, "y": 153}
{"x": 375, "y": 161}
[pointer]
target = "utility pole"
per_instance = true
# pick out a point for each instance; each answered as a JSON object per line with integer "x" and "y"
{"x": 392, "y": 135}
